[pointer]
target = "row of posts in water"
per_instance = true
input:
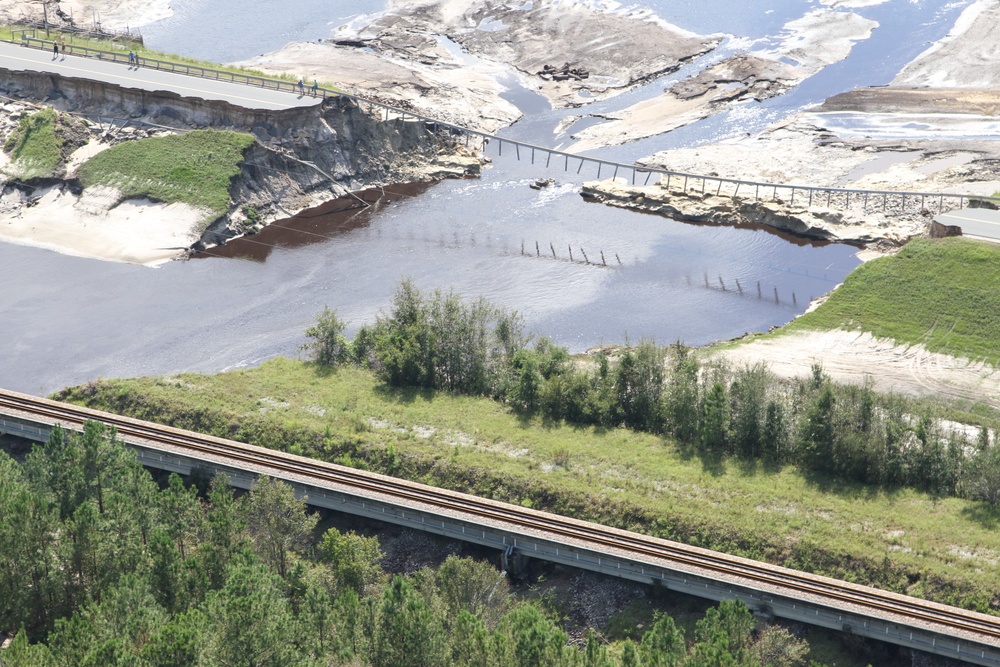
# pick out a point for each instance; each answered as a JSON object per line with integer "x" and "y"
{"x": 569, "y": 248}
{"x": 739, "y": 290}
{"x": 722, "y": 286}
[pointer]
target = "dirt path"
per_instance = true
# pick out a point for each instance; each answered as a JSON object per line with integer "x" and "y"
{"x": 851, "y": 356}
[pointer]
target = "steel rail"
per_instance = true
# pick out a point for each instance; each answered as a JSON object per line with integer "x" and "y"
{"x": 761, "y": 573}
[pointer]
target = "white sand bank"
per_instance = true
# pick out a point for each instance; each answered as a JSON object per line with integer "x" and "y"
{"x": 445, "y": 89}
{"x": 968, "y": 57}
{"x": 135, "y": 231}
{"x": 852, "y": 356}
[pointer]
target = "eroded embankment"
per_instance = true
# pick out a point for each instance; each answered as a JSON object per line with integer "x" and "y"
{"x": 693, "y": 205}
{"x": 300, "y": 157}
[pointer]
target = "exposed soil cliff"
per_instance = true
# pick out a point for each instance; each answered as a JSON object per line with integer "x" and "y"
{"x": 302, "y": 156}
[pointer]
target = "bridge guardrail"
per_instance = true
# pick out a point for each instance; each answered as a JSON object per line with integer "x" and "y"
{"x": 733, "y": 186}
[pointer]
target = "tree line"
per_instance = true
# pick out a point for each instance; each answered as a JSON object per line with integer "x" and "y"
{"x": 101, "y": 566}
{"x": 849, "y": 433}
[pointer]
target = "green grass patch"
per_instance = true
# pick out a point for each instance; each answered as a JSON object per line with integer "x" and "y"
{"x": 942, "y": 549}
{"x": 196, "y": 168}
{"x": 35, "y": 146}
{"x": 941, "y": 293}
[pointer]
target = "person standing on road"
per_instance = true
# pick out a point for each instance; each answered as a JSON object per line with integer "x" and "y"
{"x": 55, "y": 50}
{"x": 302, "y": 86}
{"x": 131, "y": 58}
{"x": 315, "y": 87}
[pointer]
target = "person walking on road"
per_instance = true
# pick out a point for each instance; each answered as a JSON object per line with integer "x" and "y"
{"x": 55, "y": 50}
{"x": 302, "y": 86}
{"x": 315, "y": 87}
{"x": 131, "y": 58}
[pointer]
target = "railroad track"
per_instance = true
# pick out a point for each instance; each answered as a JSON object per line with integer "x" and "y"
{"x": 790, "y": 583}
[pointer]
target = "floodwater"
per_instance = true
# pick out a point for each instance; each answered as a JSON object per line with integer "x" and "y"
{"x": 66, "y": 320}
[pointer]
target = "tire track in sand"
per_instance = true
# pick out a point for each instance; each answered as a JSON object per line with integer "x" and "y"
{"x": 851, "y": 356}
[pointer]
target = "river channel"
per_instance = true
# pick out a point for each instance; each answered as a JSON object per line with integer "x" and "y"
{"x": 67, "y": 320}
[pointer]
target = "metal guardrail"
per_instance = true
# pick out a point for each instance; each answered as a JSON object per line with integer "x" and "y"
{"x": 178, "y": 68}
{"x": 895, "y": 201}
{"x": 128, "y": 34}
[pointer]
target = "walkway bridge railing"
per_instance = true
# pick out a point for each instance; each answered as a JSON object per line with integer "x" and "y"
{"x": 837, "y": 198}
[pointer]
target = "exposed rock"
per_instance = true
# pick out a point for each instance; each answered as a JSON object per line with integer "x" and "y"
{"x": 621, "y": 50}
{"x": 852, "y": 225}
{"x": 741, "y": 77}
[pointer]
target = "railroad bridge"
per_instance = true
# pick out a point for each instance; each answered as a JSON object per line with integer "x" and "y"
{"x": 767, "y": 589}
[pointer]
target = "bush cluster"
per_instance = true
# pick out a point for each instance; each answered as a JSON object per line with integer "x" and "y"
{"x": 849, "y": 433}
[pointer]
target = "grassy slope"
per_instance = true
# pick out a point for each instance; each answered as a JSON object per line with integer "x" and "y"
{"x": 904, "y": 541}
{"x": 943, "y": 293}
{"x": 195, "y": 168}
{"x": 34, "y": 146}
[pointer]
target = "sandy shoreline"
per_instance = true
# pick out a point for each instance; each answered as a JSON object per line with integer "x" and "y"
{"x": 96, "y": 226}
{"x": 852, "y": 357}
